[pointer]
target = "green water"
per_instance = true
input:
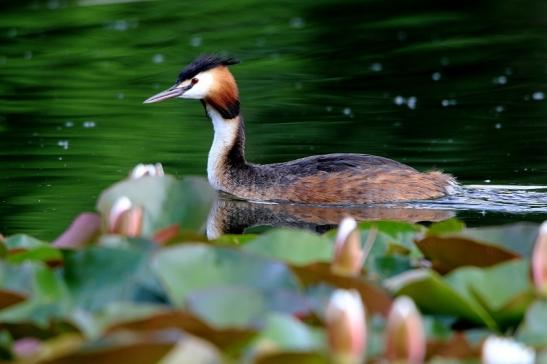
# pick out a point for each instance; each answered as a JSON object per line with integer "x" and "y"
{"x": 457, "y": 87}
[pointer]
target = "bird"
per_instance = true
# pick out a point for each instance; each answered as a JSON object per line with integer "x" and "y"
{"x": 330, "y": 179}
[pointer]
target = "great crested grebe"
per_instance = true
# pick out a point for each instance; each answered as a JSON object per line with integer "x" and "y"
{"x": 322, "y": 179}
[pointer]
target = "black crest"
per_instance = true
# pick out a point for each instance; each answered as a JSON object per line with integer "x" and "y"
{"x": 203, "y": 63}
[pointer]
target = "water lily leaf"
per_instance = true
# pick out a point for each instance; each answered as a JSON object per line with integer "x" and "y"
{"x": 533, "y": 330}
{"x": 188, "y": 322}
{"x": 89, "y": 275}
{"x": 435, "y": 295}
{"x": 22, "y": 242}
{"x": 142, "y": 348}
{"x": 166, "y": 201}
{"x": 22, "y": 248}
{"x": 9, "y": 297}
{"x": 292, "y": 246}
{"x": 374, "y": 298}
{"x": 293, "y": 358}
{"x": 284, "y": 333}
{"x": 518, "y": 237}
{"x": 450, "y": 226}
{"x": 503, "y": 290}
{"x": 450, "y": 252}
{"x": 192, "y": 350}
{"x": 191, "y": 267}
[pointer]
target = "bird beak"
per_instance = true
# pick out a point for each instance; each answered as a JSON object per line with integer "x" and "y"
{"x": 171, "y": 92}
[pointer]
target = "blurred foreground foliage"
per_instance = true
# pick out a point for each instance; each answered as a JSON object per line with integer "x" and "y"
{"x": 168, "y": 294}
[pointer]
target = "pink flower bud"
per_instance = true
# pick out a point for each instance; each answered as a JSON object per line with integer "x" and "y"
{"x": 405, "y": 335}
{"x": 346, "y": 327}
{"x": 124, "y": 218}
{"x": 539, "y": 260}
{"x": 348, "y": 254}
{"x": 26, "y": 347}
{"x": 142, "y": 170}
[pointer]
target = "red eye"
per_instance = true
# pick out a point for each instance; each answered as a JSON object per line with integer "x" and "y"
{"x": 194, "y": 81}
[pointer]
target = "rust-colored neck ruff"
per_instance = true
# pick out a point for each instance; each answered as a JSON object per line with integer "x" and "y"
{"x": 224, "y": 95}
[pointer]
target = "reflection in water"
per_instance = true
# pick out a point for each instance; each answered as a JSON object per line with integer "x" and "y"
{"x": 234, "y": 216}
{"x": 228, "y": 216}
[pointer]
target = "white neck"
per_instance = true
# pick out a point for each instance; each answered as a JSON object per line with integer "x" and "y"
{"x": 225, "y": 135}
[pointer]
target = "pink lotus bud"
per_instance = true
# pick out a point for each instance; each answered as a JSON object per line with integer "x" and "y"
{"x": 348, "y": 255}
{"x": 500, "y": 350}
{"x": 346, "y": 327}
{"x": 539, "y": 260}
{"x": 405, "y": 335}
{"x": 26, "y": 347}
{"x": 142, "y": 170}
{"x": 125, "y": 218}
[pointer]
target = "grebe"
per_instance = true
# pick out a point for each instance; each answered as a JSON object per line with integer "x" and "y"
{"x": 323, "y": 179}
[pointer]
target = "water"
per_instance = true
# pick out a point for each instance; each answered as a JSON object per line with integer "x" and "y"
{"x": 458, "y": 87}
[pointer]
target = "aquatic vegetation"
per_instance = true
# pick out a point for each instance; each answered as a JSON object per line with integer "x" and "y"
{"x": 148, "y": 287}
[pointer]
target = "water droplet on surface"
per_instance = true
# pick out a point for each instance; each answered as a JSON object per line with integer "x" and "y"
{"x": 88, "y": 124}
{"x": 297, "y": 23}
{"x": 196, "y": 41}
{"x": 538, "y": 96}
{"x": 347, "y": 111}
{"x": 158, "y": 58}
{"x": 449, "y": 102}
{"x": 63, "y": 144}
{"x": 376, "y": 67}
{"x": 499, "y": 108}
{"x": 120, "y": 96}
{"x": 436, "y": 76}
{"x": 328, "y": 108}
{"x": 69, "y": 124}
{"x": 411, "y": 102}
{"x": 498, "y": 126}
{"x": 399, "y": 100}
{"x": 500, "y": 80}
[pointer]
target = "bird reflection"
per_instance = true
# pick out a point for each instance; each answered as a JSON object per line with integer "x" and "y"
{"x": 230, "y": 216}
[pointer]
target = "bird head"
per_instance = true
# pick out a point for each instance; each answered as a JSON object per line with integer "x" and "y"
{"x": 207, "y": 78}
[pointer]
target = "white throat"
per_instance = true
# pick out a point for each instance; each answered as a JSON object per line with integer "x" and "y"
{"x": 225, "y": 135}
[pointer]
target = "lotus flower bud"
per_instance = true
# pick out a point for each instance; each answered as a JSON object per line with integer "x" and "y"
{"x": 124, "y": 218}
{"x": 499, "y": 350}
{"x": 142, "y": 170}
{"x": 348, "y": 254}
{"x": 26, "y": 347}
{"x": 405, "y": 335}
{"x": 539, "y": 260}
{"x": 346, "y": 327}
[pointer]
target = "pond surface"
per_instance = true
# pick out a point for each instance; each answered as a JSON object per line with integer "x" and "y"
{"x": 461, "y": 88}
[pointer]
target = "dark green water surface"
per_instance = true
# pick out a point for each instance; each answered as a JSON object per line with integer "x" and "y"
{"x": 461, "y": 88}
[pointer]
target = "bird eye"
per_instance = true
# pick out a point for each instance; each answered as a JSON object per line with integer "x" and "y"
{"x": 194, "y": 81}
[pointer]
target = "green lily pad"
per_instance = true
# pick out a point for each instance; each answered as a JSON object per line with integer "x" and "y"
{"x": 495, "y": 296}
{"x": 98, "y": 276}
{"x": 292, "y": 246}
{"x": 22, "y": 248}
{"x": 533, "y": 330}
{"x": 518, "y": 237}
{"x": 166, "y": 201}
{"x": 191, "y": 267}
{"x": 435, "y": 295}
{"x": 450, "y": 226}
